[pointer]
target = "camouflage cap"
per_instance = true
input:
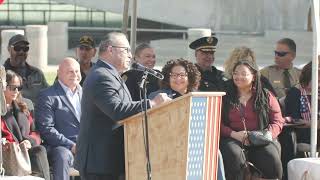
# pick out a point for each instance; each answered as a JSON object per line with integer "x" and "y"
{"x": 86, "y": 41}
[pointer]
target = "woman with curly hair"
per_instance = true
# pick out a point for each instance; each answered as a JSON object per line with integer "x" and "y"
{"x": 180, "y": 77}
{"x": 244, "y": 53}
{"x": 248, "y": 106}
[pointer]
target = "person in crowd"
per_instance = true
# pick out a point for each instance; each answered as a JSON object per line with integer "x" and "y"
{"x": 282, "y": 75}
{"x": 33, "y": 79}
{"x": 85, "y": 53}
{"x": 17, "y": 125}
{"x": 259, "y": 110}
{"x": 298, "y": 103}
{"x": 297, "y": 109}
{"x": 106, "y": 99}
{"x": 58, "y": 117}
{"x": 244, "y": 53}
{"x": 212, "y": 79}
{"x": 181, "y": 77}
{"x": 146, "y": 56}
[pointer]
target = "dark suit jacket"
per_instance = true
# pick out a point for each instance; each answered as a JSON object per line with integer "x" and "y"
{"x": 133, "y": 78}
{"x": 56, "y": 119}
{"x": 105, "y": 100}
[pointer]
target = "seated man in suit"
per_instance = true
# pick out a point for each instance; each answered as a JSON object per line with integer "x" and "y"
{"x": 58, "y": 117}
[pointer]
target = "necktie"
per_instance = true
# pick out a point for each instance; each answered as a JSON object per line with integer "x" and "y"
{"x": 286, "y": 79}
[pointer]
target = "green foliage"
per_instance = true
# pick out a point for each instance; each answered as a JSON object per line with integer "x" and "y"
{"x": 50, "y": 77}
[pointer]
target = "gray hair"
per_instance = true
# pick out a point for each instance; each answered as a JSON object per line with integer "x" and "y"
{"x": 141, "y": 47}
{"x": 110, "y": 39}
{"x": 289, "y": 42}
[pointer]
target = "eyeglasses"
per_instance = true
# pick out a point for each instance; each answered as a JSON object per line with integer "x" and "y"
{"x": 14, "y": 87}
{"x": 19, "y": 48}
{"x": 241, "y": 74}
{"x": 180, "y": 75}
{"x": 280, "y": 53}
{"x": 128, "y": 49}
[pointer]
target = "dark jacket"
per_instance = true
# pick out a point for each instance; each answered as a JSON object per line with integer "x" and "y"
{"x": 213, "y": 80}
{"x": 132, "y": 79}
{"x": 170, "y": 93}
{"x": 33, "y": 80}
{"x": 16, "y": 126}
{"x": 83, "y": 75}
{"x": 105, "y": 100}
{"x": 57, "y": 121}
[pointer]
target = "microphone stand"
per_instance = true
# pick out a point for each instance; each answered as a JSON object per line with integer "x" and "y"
{"x": 143, "y": 88}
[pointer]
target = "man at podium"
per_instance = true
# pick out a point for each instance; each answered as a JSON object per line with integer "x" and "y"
{"x": 106, "y": 100}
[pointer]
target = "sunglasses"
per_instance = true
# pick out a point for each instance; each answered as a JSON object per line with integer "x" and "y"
{"x": 13, "y": 87}
{"x": 19, "y": 48}
{"x": 280, "y": 53}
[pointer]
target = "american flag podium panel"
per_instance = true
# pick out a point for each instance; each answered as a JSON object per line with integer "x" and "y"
{"x": 183, "y": 139}
{"x": 202, "y": 142}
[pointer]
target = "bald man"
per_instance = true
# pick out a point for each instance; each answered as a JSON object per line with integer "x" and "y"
{"x": 58, "y": 117}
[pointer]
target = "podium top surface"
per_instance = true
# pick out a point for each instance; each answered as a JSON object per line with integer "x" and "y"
{"x": 193, "y": 94}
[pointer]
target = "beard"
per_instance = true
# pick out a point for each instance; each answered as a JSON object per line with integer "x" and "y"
{"x": 19, "y": 61}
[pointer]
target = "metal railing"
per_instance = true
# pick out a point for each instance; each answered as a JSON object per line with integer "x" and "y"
{"x": 51, "y": 11}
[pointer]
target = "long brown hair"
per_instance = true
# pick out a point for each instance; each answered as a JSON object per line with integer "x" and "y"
{"x": 10, "y": 75}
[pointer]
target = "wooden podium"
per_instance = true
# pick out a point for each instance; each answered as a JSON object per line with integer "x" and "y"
{"x": 183, "y": 139}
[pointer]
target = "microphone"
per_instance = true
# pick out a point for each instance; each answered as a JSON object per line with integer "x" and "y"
{"x": 140, "y": 67}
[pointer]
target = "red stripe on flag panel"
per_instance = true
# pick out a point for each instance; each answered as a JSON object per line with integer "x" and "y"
{"x": 216, "y": 132}
{"x": 207, "y": 134}
{"x": 209, "y": 156}
{"x": 211, "y": 137}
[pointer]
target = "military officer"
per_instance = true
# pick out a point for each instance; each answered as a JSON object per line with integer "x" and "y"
{"x": 145, "y": 55}
{"x": 212, "y": 79}
{"x": 282, "y": 75}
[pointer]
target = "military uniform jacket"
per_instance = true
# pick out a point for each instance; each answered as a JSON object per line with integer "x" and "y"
{"x": 132, "y": 79}
{"x": 213, "y": 80}
{"x": 33, "y": 81}
{"x": 275, "y": 76}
